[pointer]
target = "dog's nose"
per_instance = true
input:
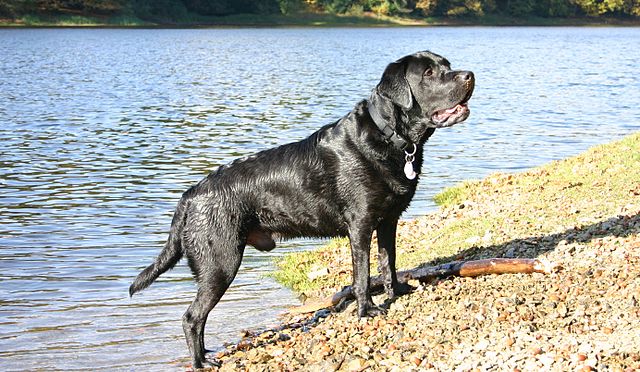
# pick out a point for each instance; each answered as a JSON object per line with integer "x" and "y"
{"x": 464, "y": 75}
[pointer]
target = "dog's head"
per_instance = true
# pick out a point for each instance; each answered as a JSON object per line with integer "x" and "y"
{"x": 425, "y": 89}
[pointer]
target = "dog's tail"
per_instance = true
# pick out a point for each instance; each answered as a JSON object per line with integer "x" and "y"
{"x": 168, "y": 257}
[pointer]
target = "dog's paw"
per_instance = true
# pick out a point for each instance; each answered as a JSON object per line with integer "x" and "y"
{"x": 205, "y": 365}
{"x": 371, "y": 311}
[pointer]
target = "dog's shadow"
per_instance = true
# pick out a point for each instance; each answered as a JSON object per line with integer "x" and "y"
{"x": 533, "y": 246}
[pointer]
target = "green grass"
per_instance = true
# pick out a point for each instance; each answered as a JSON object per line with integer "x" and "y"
{"x": 293, "y": 268}
{"x": 451, "y": 195}
{"x": 74, "y": 21}
{"x": 303, "y": 19}
{"x": 481, "y": 218}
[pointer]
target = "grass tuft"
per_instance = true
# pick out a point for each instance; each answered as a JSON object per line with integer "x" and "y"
{"x": 451, "y": 195}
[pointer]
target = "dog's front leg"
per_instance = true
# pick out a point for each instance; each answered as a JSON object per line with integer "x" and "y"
{"x": 360, "y": 240}
{"x": 387, "y": 259}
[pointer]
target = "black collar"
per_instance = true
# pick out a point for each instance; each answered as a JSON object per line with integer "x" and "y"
{"x": 389, "y": 133}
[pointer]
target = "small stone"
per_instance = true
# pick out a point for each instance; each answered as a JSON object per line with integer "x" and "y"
{"x": 355, "y": 365}
{"x": 317, "y": 272}
{"x": 562, "y": 310}
{"x": 580, "y": 357}
{"x": 487, "y": 237}
{"x": 415, "y": 360}
{"x": 252, "y": 354}
{"x": 243, "y": 345}
{"x": 536, "y": 350}
{"x": 482, "y": 345}
{"x": 277, "y": 353}
{"x": 509, "y": 342}
{"x": 546, "y": 360}
{"x": 502, "y": 316}
{"x": 473, "y": 240}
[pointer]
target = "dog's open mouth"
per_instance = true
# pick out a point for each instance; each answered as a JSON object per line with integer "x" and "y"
{"x": 450, "y": 116}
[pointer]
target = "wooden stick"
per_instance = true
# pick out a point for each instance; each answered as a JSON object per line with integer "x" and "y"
{"x": 455, "y": 268}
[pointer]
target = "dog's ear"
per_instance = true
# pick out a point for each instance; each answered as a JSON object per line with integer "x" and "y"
{"x": 394, "y": 84}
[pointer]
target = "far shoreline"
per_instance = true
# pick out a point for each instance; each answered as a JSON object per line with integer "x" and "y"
{"x": 307, "y": 20}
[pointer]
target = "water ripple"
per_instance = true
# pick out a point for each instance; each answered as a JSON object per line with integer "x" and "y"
{"x": 102, "y": 130}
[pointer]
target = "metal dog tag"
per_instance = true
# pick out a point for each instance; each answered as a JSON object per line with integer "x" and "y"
{"x": 408, "y": 166}
{"x": 408, "y": 170}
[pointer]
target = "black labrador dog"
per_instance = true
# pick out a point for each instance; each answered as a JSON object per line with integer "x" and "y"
{"x": 350, "y": 178}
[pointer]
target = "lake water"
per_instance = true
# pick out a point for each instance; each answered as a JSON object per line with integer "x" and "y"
{"x": 102, "y": 130}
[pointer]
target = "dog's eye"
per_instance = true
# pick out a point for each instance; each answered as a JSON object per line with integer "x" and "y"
{"x": 428, "y": 72}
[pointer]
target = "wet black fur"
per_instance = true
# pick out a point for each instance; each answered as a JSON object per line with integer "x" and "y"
{"x": 345, "y": 179}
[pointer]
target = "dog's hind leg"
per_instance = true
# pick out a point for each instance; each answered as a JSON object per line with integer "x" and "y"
{"x": 214, "y": 274}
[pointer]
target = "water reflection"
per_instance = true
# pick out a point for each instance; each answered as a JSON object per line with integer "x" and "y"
{"x": 102, "y": 130}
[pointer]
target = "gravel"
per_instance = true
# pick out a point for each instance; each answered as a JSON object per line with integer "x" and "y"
{"x": 583, "y": 316}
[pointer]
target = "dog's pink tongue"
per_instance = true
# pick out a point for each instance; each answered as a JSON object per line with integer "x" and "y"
{"x": 452, "y": 110}
{"x": 442, "y": 115}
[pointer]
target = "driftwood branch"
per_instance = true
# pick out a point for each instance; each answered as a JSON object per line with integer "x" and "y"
{"x": 455, "y": 268}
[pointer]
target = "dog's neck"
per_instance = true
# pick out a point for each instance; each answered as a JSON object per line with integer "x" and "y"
{"x": 382, "y": 119}
{"x": 401, "y": 128}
